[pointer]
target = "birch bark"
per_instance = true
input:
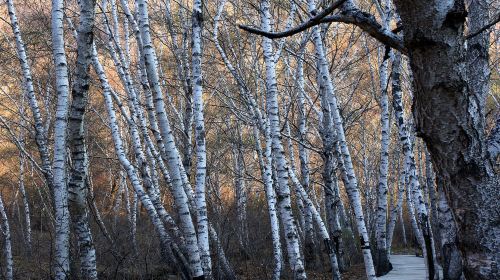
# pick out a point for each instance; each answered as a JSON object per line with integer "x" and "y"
{"x": 265, "y": 158}
{"x": 283, "y": 190}
{"x": 22, "y": 189}
{"x": 240, "y": 190}
{"x": 169, "y": 250}
{"x": 40, "y": 131}
{"x": 201, "y": 153}
{"x": 180, "y": 195}
{"x": 266, "y": 174}
{"x": 452, "y": 258}
{"x": 60, "y": 188}
{"x": 397, "y": 208}
{"x": 352, "y": 186}
{"x": 383, "y": 265}
{"x": 447, "y": 107}
{"x": 77, "y": 186}
{"x": 304, "y": 159}
{"x": 9, "y": 261}
{"x": 414, "y": 185}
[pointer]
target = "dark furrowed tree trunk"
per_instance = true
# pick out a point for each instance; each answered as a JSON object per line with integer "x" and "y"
{"x": 449, "y": 118}
{"x": 77, "y": 187}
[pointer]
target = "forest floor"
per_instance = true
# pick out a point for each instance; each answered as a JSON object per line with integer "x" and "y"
{"x": 355, "y": 272}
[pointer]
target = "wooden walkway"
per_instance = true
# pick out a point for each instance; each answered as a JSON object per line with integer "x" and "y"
{"x": 406, "y": 267}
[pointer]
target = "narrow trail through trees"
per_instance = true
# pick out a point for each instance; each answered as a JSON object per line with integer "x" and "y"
{"x": 406, "y": 267}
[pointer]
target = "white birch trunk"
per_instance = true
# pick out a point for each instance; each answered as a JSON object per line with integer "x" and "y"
{"x": 148, "y": 172}
{"x": 283, "y": 190}
{"x": 327, "y": 137}
{"x": 9, "y": 261}
{"x": 300, "y": 204}
{"x": 323, "y": 231}
{"x": 133, "y": 223}
{"x": 199, "y": 132}
{"x": 414, "y": 225}
{"x": 40, "y": 131}
{"x": 226, "y": 266}
{"x": 383, "y": 266}
{"x": 452, "y": 258}
{"x": 304, "y": 158}
{"x": 350, "y": 176}
{"x": 60, "y": 188}
{"x": 396, "y": 210}
{"x": 431, "y": 187}
{"x": 169, "y": 250}
{"x": 22, "y": 189}
{"x": 266, "y": 174}
{"x": 180, "y": 195}
{"x": 411, "y": 172}
{"x": 26, "y": 207}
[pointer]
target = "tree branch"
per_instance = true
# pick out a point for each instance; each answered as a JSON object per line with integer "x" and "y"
{"x": 369, "y": 24}
{"x": 352, "y": 15}
{"x": 315, "y": 20}
{"x": 493, "y": 22}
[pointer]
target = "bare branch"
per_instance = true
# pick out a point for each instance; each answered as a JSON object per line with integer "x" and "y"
{"x": 315, "y": 20}
{"x": 353, "y": 15}
{"x": 369, "y": 24}
{"x": 493, "y": 22}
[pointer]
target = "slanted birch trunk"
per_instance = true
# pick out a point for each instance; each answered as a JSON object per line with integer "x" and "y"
{"x": 430, "y": 182}
{"x": 40, "y": 131}
{"x": 172, "y": 154}
{"x": 22, "y": 189}
{"x": 308, "y": 227}
{"x": 283, "y": 190}
{"x": 410, "y": 167}
{"x": 350, "y": 177}
{"x": 397, "y": 208}
{"x": 265, "y": 163}
{"x": 169, "y": 250}
{"x": 327, "y": 133}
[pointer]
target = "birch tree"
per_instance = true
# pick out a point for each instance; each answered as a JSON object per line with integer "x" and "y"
{"x": 283, "y": 190}
{"x": 60, "y": 188}
{"x": 383, "y": 265}
{"x": 169, "y": 250}
{"x": 7, "y": 251}
{"x": 446, "y": 109}
{"x": 199, "y": 122}
{"x": 351, "y": 184}
{"x": 77, "y": 186}
{"x": 40, "y": 131}
{"x": 173, "y": 155}
{"x": 151, "y": 151}
{"x": 240, "y": 189}
{"x": 426, "y": 240}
